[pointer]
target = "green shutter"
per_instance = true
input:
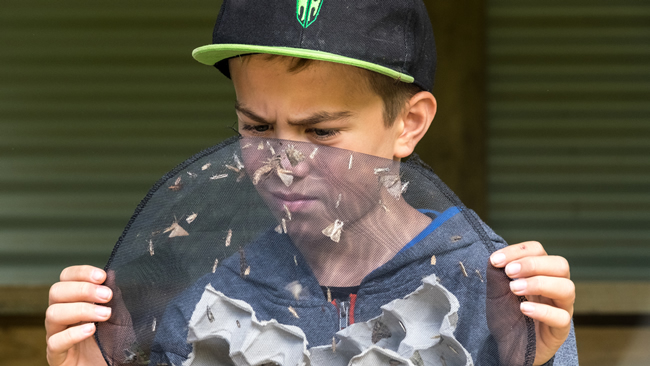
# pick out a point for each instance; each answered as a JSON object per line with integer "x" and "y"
{"x": 98, "y": 99}
{"x": 569, "y": 131}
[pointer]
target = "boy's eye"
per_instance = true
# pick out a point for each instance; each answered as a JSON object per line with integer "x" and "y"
{"x": 323, "y": 133}
{"x": 255, "y": 128}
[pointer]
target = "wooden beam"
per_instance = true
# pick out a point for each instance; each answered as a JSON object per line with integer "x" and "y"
{"x": 455, "y": 144}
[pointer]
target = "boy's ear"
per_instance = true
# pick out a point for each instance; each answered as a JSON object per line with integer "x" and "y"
{"x": 415, "y": 121}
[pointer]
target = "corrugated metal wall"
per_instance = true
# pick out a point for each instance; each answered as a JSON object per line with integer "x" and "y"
{"x": 97, "y": 100}
{"x": 569, "y": 131}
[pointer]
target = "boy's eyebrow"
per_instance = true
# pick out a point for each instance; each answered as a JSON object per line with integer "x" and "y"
{"x": 318, "y": 117}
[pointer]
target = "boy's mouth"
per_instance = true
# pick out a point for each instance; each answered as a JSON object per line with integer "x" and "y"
{"x": 293, "y": 201}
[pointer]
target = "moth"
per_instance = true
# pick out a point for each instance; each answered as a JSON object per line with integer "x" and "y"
{"x": 206, "y": 166}
{"x": 417, "y": 359}
{"x": 209, "y": 314}
{"x": 191, "y": 218}
{"x": 278, "y": 229}
{"x": 462, "y": 268}
{"x": 381, "y": 203}
{"x": 214, "y": 266}
{"x": 333, "y": 231}
{"x": 295, "y": 260}
{"x": 350, "y": 162}
{"x": 176, "y": 230}
{"x": 228, "y": 237}
{"x": 453, "y": 349}
{"x": 379, "y": 332}
{"x": 287, "y": 212}
{"x": 313, "y": 153}
{"x": 177, "y": 185}
{"x": 338, "y": 200}
{"x": 381, "y": 170}
{"x": 286, "y": 176}
{"x": 433, "y": 260}
{"x": 244, "y": 268}
{"x": 293, "y": 312}
{"x": 402, "y": 325}
{"x": 238, "y": 168}
{"x": 192, "y": 175}
{"x": 218, "y": 176}
{"x": 334, "y": 344}
{"x": 480, "y": 276}
{"x": 270, "y": 148}
{"x": 284, "y": 225}
{"x": 153, "y": 325}
{"x": 246, "y": 146}
{"x": 329, "y": 295}
{"x": 295, "y": 288}
{"x": 151, "y": 247}
{"x": 260, "y": 146}
{"x": 393, "y": 184}
{"x": 238, "y": 323}
{"x": 238, "y": 162}
{"x": 456, "y": 238}
{"x": 294, "y": 155}
{"x": 273, "y": 164}
{"x": 135, "y": 355}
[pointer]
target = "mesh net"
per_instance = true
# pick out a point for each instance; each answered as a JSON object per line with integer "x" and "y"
{"x": 272, "y": 252}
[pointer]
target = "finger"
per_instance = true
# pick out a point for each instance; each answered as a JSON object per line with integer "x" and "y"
{"x": 547, "y": 314}
{"x": 553, "y": 266}
{"x": 516, "y": 251}
{"x": 83, "y": 273}
{"x": 64, "y": 292}
{"x": 58, "y": 317}
{"x": 560, "y": 290}
{"x": 59, "y": 343}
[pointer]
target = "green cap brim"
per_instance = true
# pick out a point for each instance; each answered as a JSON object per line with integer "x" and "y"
{"x": 213, "y": 53}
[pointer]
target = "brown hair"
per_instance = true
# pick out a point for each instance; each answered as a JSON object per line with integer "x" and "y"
{"x": 394, "y": 93}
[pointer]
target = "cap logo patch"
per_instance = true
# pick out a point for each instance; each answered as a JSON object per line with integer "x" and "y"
{"x": 307, "y": 11}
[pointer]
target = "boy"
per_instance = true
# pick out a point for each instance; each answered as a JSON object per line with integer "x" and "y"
{"x": 347, "y": 97}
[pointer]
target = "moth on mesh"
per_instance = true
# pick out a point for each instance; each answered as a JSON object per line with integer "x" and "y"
{"x": 294, "y": 155}
{"x": 228, "y": 237}
{"x": 456, "y": 238}
{"x": 287, "y": 212}
{"x": 329, "y": 295}
{"x": 453, "y": 349}
{"x": 214, "y": 266}
{"x": 206, "y": 166}
{"x": 271, "y": 165}
{"x": 379, "y": 332}
{"x": 333, "y": 231}
{"x": 209, "y": 314}
{"x": 338, "y": 200}
{"x": 334, "y": 344}
{"x": 402, "y": 325}
{"x": 175, "y": 230}
{"x": 218, "y": 176}
{"x": 270, "y": 148}
{"x": 393, "y": 184}
{"x": 462, "y": 268}
{"x": 381, "y": 203}
{"x": 238, "y": 323}
{"x": 135, "y": 355}
{"x": 350, "y": 163}
{"x": 190, "y": 218}
{"x": 295, "y": 260}
{"x": 433, "y": 260}
{"x": 381, "y": 170}
{"x": 295, "y": 288}
{"x": 177, "y": 185}
{"x": 192, "y": 175}
{"x": 480, "y": 276}
{"x": 151, "y": 247}
{"x": 237, "y": 168}
{"x": 247, "y": 271}
{"x": 293, "y": 312}
{"x": 284, "y": 226}
{"x": 246, "y": 146}
{"x": 153, "y": 325}
{"x": 313, "y": 153}
{"x": 260, "y": 146}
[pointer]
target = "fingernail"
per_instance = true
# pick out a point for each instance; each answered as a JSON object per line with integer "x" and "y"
{"x": 513, "y": 269}
{"x": 518, "y": 285}
{"x": 498, "y": 258}
{"x": 103, "y": 293}
{"x": 97, "y": 275}
{"x": 527, "y": 308}
{"x": 102, "y": 311}
{"x": 87, "y": 328}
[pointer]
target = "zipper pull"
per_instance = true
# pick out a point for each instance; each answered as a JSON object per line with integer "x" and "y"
{"x": 344, "y": 313}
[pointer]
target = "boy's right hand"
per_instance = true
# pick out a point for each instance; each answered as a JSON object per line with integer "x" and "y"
{"x": 70, "y": 316}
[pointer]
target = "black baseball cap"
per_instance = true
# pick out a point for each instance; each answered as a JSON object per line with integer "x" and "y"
{"x": 391, "y": 37}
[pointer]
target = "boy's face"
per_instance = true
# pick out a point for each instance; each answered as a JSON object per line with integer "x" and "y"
{"x": 325, "y": 103}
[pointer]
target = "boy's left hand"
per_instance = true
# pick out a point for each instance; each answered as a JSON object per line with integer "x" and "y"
{"x": 545, "y": 281}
